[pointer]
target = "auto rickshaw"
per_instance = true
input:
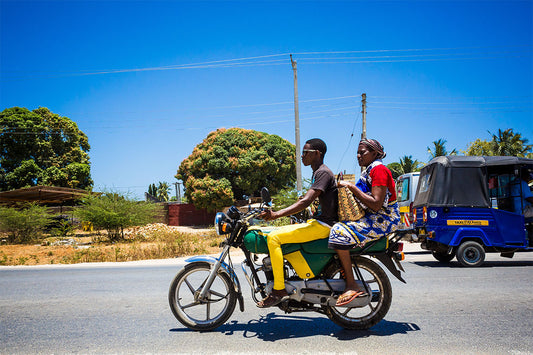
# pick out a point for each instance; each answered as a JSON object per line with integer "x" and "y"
{"x": 466, "y": 206}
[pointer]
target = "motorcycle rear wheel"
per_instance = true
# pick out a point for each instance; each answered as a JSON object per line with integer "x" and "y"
{"x": 197, "y": 314}
{"x": 367, "y": 316}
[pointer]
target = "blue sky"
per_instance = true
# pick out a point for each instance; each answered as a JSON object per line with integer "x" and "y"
{"x": 147, "y": 81}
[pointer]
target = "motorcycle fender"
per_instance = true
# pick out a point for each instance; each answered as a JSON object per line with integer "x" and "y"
{"x": 224, "y": 268}
{"x": 387, "y": 261}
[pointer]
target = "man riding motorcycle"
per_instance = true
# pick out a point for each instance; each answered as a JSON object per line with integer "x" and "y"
{"x": 325, "y": 189}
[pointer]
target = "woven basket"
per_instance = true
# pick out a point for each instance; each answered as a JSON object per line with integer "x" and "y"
{"x": 349, "y": 208}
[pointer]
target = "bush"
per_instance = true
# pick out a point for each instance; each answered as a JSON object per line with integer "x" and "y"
{"x": 24, "y": 225}
{"x": 114, "y": 212}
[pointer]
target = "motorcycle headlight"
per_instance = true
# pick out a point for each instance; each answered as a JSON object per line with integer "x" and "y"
{"x": 222, "y": 225}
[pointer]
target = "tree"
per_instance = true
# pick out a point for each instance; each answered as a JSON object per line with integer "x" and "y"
{"x": 152, "y": 190}
{"x": 230, "y": 163}
{"x": 24, "y": 224}
{"x": 478, "y": 147}
{"x": 40, "y": 147}
{"x": 114, "y": 212}
{"x": 406, "y": 165}
{"x": 509, "y": 143}
{"x": 439, "y": 149}
{"x": 504, "y": 143}
{"x": 162, "y": 191}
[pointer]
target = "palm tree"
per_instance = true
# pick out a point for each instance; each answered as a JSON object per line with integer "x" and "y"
{"x": 510, "y": 144}
{"x": 162, "y": 191}
{"x": 439, "y": 149}
{"x": 406, "y": 165}
{"x": 409, "y": 165}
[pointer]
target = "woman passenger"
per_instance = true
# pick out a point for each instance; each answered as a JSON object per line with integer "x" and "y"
{"x": 376, "y": 192}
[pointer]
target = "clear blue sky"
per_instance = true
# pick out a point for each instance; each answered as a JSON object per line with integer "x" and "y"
{"x": 147, "y": 81}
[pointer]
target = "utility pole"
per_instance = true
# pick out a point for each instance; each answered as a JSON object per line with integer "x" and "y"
{"x": 178, "y": 191}
{"x": 297, "y": 130}
{"x": 363, "y": 132}
{"x": 363, "y": 102}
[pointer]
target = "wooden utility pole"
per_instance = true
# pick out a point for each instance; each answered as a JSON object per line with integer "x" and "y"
{"x": 363, "y": 132}
{"x": 363, "y": 102}
{"x": 299, "y": 186}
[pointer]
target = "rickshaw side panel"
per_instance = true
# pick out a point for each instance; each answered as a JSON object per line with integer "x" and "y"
{"x": 507, "y": 223}
{"x": 492, "y": 227}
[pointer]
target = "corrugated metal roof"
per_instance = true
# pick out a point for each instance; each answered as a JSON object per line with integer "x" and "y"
{"x": 42, "y": 194}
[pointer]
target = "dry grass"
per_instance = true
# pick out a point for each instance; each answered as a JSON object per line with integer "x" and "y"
{"x": 156, "y": 241}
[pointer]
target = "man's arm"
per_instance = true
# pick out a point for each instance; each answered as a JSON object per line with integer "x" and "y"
{"x": 296, "y": 207}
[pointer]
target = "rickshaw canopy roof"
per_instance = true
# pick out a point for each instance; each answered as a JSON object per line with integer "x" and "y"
{"x": 461, "y": 181}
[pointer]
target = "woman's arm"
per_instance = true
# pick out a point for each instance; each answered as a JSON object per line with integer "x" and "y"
{"x": 374, "y": 201}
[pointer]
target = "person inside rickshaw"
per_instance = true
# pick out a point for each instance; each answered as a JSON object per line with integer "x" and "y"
{"x": 522, "y": 195}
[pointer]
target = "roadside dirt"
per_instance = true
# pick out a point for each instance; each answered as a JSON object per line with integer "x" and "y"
{"x": 68, "y": 249}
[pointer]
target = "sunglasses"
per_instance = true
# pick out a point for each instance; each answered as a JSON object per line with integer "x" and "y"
{"x": 308, "y": 150}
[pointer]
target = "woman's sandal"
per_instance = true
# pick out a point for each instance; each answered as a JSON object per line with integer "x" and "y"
{"x": 349, "y": 296}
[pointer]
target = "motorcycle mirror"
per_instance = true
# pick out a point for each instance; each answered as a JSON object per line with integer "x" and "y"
{"x": 265, "y": 195}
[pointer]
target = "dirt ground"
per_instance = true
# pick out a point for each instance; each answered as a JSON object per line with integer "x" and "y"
{"x": 65, "y": 251}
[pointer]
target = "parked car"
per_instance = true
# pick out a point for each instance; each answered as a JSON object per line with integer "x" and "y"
{"x": 468, "y": 206}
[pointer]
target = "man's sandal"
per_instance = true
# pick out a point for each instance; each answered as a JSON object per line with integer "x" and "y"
{"x": 276, "y": 297}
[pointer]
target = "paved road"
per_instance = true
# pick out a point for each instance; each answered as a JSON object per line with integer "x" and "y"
{"x": 122, "y": 308}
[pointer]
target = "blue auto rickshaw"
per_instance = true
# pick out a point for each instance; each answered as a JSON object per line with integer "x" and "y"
{"x": 466, "y": 206}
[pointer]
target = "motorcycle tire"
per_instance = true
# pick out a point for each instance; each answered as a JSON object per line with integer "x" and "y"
{"x": 197, "y": 314}
{"x": 368, "y": 316}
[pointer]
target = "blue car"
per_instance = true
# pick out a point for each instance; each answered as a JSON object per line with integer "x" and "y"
{"x": 466, "y": 206}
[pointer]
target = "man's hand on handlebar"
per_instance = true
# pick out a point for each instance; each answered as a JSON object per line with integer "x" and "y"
{"x": 268, "y": 215}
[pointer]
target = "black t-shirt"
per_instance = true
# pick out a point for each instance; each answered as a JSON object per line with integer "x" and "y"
{"x": 324, "y": 180}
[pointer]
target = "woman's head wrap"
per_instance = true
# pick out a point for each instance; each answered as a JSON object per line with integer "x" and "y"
{"x": 375, "y": 146}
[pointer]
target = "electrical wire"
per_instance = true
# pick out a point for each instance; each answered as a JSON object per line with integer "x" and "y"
{"x": 253, "y": 60}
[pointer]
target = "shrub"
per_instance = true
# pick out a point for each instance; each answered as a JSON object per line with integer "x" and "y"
{"x": 114, "y": 212}
{"x": 23, "y": 225}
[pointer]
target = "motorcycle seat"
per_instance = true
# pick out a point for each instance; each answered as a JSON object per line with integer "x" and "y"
{"x": 255, "y": 240}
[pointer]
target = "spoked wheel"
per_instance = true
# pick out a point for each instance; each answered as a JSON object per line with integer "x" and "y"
{"x": 369, "y": 315}
{"x": 195, "y": 313}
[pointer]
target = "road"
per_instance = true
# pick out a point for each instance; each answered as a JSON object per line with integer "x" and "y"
{"x": 122, "y": 308}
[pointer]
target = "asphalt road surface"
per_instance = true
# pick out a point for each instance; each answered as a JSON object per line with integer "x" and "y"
{"x": 123, "y": 308}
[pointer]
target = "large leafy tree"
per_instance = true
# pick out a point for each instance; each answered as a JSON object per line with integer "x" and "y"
{"x": 406, "y": 165}
{"x": 230, "y": 163}
{"x": 504, "y": 143}
{"x": 439, "y": 149}
{"x": 42, "y": 148}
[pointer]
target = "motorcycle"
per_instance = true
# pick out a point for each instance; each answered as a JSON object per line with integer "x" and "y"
{"x": 204, "y": 294}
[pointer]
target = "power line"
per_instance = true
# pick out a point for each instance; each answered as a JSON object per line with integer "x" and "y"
{"x": 253, "y": 60}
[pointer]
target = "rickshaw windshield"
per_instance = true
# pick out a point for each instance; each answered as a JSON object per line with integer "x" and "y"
{"x": 467, "y": 181}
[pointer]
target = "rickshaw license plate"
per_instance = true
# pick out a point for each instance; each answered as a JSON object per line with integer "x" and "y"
{"x": 467, "y": 222}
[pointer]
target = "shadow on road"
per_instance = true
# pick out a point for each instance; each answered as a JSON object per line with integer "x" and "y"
{"x": 272, "y": 327}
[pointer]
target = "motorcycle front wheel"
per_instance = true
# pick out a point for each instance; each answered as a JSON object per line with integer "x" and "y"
{"x": 197, "y": 314}
{"x": 369, "y": 315}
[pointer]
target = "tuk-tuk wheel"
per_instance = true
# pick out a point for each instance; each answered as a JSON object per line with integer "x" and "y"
{"x": 470, "y": 254}
{"x": 442, "y": 257}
